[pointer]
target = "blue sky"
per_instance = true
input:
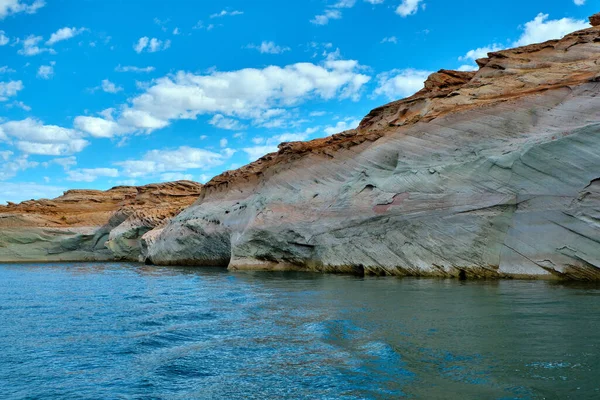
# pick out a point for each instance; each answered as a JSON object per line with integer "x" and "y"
{"x": 95, "y": 94}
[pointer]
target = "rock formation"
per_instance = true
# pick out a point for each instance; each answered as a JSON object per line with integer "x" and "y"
{"x": 493, "y": 173}
{"x": 90, "y": 224}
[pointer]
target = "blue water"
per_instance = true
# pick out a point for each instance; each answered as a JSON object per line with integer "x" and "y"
{"x": 121, "y": 331}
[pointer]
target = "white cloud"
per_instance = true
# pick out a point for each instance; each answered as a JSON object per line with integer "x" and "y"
{"x": 6, "y": 70}
{"x": 151, "y": 45}
{"x": 31, "y": 46}
{"x": 176, "y": 31}
{"x": 400, "y": 83}
{"x": 64, "y": 34}
{"x": 270, "y": 145}
{"x": 579, "y": 2}
{"x": 176, "y": 176}
{"x": 248, "y": 93}
{"x": 65, "y": 162}
{"x": 256, "y": 152}
{"x": 110, "y": 87}
{"x": 408, "y": 7}
{"x": 223, "y": 142}
{"x": 390, "y": 39}
{"x": 97, "y": 127}
{"x": 10, "y": 167}
{"x": 19, "y": 104}
{"x": 17, "y": 192}
{"x": 10, "y": 7}
{"x": 33, "y": 137}
{"x": 342, "y": 126}
{"x": 141, "y": 44}
{"x": 225, "y": 13}
{"x": 480, "y": 52}
{"x": 333, "y": 12}
{"x": 540, "y": 29}
{"x": 323, "y": 19}
{"x": 3, "y": 39}
{"x": 91, "y": 174}
{"x": 468, "y": 68}
{"x": 222, "y": 122}
{"x": 268, "y": 48}
{"x": 9, "y": 89}
{"x": 181, "y": 159}
{"x": 131, "y": 68}
{"x": 45, "y": 71}
{"x": 375, "y": 1}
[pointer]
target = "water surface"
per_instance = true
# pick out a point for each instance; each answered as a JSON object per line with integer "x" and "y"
{"x": 124, "y": 331}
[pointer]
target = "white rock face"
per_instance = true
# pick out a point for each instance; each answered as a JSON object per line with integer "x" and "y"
{"x": 506, "y": 190}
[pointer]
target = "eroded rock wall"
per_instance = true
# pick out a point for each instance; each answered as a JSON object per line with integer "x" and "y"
{"x": 491, "y": 174}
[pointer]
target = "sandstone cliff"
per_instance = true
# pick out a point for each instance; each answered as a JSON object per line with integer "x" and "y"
{"x": 493, "y": 173}
{"x": 90, "y": 224}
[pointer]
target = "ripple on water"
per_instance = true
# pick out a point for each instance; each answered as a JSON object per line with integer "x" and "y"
{"x": 128, "y": 331}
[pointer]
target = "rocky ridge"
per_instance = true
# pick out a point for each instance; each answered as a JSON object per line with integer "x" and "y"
{"x": 90, "y": 224}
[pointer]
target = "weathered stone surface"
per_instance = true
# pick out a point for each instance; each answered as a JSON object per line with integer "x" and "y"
{"x": 491, "y": 174}
{"x": 595, "y": 19}
{"x": 86, "y": 225}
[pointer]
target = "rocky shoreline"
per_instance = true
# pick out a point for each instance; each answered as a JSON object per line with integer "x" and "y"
{"x": 487, "y": 174}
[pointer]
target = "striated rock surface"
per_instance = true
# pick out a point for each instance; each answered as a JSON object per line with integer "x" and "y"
{"x": 86, "y": 225}
{"x": 494, "y": 173}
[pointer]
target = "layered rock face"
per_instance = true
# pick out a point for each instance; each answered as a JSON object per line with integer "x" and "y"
{"x": 494, "y": 173}
{"x": 86, "y": 225}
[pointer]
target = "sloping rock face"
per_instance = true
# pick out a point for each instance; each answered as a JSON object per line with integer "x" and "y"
{"x": 90, "y": 225}
{"x": 494, "y": 173}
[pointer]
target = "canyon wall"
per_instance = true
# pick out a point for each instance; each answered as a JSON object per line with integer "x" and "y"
{"x": 493, "y": 173}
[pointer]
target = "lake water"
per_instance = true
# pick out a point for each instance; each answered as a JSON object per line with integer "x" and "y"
{"x": 126, "y": 331}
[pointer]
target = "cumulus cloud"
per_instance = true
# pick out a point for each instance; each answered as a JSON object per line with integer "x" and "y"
{"x": 9, "y": 89}
{"x": 400, "y": 83}
{"x": 110, "y": 87}
{"x": 540, "y": 29}
{"x": 31, "y": 46}
{"x": 91, "y": 174}
{"x": 223, "y": 122}
{"x": 408, "y": 7}
{"x": 45, "y": 71}
{"x": 151, "y": 45}
{"x": 269, "y": 48}
{"x": 181, "y": 159}
{"x": 10, "y": 7}
{"x": 248, "y": 94}
{"x": 31, "y": 136}
{"x": 64, "y": 34}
